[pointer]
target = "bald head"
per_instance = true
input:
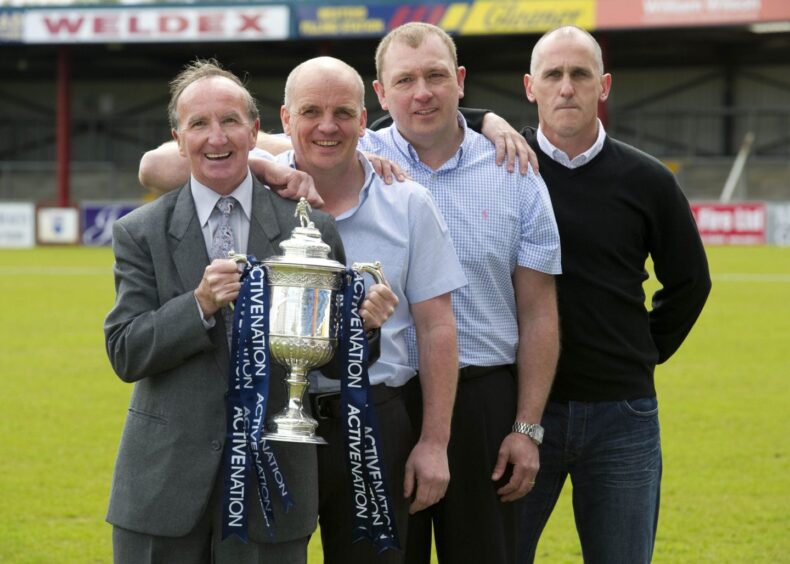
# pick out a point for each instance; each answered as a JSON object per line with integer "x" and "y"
{"x": 323, "y": 67}
{"x": 564, "y": 32}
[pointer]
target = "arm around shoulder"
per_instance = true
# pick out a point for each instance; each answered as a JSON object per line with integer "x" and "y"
{"x": 163, "y": 169}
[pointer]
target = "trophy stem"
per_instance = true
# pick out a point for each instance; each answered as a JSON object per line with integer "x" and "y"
{"x": 292, "y": 424}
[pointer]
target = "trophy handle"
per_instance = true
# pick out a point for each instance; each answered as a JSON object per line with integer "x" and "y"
{"x": 238, "y": 258}
{"x": 372, "y": 268}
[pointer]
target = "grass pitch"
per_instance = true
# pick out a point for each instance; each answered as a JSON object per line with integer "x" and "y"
{"x": 723, "y": 399}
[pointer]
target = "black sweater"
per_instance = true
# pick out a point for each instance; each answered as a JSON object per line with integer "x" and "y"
{"x": 612, "y": 213}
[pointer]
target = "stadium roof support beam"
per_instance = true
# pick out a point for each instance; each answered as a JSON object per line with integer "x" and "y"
{"x": 728, "y": 102}
{"x": 63, "y": 124}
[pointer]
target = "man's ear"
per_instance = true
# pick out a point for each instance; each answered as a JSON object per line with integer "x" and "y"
{"x": 363, "y": 121}
{"x": 256, "y": 127}
{"x": 379, "y": 88}
{"x": 528, "y": 88}
{"x": 460, "y": 76}
{"x": 177, "y": 139}
{"x": 285, "y": 119}
{"x": 606, "y": 86}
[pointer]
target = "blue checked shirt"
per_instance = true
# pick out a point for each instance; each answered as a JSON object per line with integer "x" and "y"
{"x": 498, "y": 221}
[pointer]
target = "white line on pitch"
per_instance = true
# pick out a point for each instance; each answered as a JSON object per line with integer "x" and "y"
{"x": 54, "y": 270}
{"x": 745, "y": 277}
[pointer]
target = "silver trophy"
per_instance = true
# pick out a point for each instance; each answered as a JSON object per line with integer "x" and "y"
{"x": 302, "y": 319}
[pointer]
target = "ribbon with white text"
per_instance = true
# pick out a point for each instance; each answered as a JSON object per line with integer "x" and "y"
{"x": 373, "y": 515}
{"x": 246, "y": 409}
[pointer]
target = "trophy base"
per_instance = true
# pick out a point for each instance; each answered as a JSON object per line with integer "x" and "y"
{"x": 293, "y": 426}
{"x": 295, "y": 438}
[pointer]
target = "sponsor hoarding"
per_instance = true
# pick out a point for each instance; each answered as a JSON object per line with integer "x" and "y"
{"x": 98, "y": 219}
{"x": 533, "y": 16}
{"x": 676, "y": 13}
{"x": 779, "y": 224}
{"x": 731, "y": 224}
{"x": 57, "y": 225}
{"x": 82, "y": 22}
{"x": 17, "y": 225}
{"x": 463, "y": 18}
{"x": 363, "y": 19}
{"x": 142, "y": 24}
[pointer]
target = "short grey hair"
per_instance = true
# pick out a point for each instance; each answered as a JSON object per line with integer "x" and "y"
{"x": 326, "y": 63}
{"x": 198, "y": 70}
{"x": 567, "y": 31}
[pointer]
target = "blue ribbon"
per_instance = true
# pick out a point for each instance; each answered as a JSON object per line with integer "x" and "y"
{"x": 373, "y": 516}
{"x": 246, "y": 409}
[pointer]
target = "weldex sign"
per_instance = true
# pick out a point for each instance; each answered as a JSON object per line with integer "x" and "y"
{"x": 149, "y": 25}
{"x": 731, "y": 224}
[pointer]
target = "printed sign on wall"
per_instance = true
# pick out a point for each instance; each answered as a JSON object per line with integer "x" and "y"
{"x": 98, "y": 218}
{"x": 156, "y": 25}
{"x": 731, "y": 224}
{"x": 17, "y": 225}
{"x": 57, "y": 226}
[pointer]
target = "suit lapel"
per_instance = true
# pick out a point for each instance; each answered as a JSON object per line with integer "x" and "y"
{"x": 188, "y": 244}
{"x": 191, "y": 258}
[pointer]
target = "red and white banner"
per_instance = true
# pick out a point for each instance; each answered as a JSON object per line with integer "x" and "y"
{"x": 160, "y": 25}
{"x": 613, "y": 14}
{"x": 731, "y": 224}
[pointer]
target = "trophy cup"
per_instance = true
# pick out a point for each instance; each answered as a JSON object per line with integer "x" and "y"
{"x": 303, "y": 320}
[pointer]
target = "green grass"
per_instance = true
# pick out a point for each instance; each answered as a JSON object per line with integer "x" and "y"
{"x": 724, "y": 400}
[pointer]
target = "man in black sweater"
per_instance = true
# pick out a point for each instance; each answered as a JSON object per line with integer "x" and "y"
{"x": 615, "y": 206}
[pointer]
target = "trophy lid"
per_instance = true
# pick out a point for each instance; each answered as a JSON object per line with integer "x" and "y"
{"x": 305, "y": 248}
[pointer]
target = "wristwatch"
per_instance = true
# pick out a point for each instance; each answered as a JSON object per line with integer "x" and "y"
{"x": 532, "y": 430}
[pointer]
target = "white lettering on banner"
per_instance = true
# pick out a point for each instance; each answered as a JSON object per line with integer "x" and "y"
{"x": 731, "y": 224}
{"x": 356, "y": 345}
{"x": 699, "y": 7}
{"x": 379, "y": 493}
{"x": 275, "y": 469}
{"x": 237, "y": 469}
{"x": 257, "y": 321}
{"x": 257, "y": 422}
{"x": 126, "y": 25}
{"x": 711, "y": 219}
{"x": 733, "y": 5}
{"x": 355, "y": 458}
{"x": 749, "y": 219}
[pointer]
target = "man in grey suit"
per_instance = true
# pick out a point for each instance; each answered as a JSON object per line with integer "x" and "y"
{"x": 166, "y": 335}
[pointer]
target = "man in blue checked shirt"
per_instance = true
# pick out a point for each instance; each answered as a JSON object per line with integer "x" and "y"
{"x": 504, "y": 231}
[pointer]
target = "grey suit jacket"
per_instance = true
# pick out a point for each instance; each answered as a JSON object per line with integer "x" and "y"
{"x": 172, "y": 442}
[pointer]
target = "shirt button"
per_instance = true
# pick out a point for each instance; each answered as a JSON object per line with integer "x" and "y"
{"x": 216, "y": 445}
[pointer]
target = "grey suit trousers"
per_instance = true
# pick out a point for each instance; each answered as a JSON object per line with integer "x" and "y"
{"x": 204, "y": 544}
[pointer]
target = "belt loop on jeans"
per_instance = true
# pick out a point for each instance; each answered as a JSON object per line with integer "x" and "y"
{"x": 469, "y": 372}
{"x": 327, "y": 405}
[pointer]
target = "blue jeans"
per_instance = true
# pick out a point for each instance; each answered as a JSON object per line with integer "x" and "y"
{"x": 612, "y": 452}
